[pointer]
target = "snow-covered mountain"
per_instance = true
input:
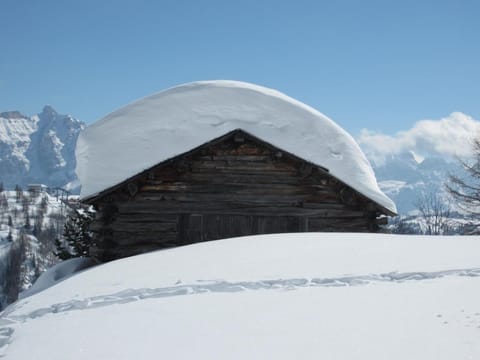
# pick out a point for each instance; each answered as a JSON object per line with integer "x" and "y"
{"x": 418, "y": 159}
{"x": 38, "y": 149}
{"x": 405, "y": 177}
{"x": 30, "y": 221}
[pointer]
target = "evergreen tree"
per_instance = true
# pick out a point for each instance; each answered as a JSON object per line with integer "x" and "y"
{"x": 12, "y": 281}
{"x": 18, "y": 193}
{"x": 3, "y": 202}
{"x": 37, "y": 227}
{"x": 78, "y": 239}
{"x": 44, "y": 203}
{"x": 10, "y": 236}
{"x": 27, "y": 222}
{"x": 25, "y": 204}
{"x": 61, "y": 250}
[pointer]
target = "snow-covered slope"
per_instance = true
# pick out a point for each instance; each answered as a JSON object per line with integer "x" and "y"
{"x": 306, "y": 296}
{"x": 29, "y": 224}
{"x": 38, "y": 149}
{"x": 169, "y": 123}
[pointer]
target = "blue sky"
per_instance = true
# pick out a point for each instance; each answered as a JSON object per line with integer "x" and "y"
{"x": 380, "y": 65}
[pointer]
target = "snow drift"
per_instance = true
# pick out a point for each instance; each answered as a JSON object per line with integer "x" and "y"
{"x": 305, "y": 295}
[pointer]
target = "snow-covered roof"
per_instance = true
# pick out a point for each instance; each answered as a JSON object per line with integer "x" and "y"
{"x": 169, "y": 123}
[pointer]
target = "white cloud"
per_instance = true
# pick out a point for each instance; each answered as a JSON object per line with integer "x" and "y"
{"x": 449, "y": 137}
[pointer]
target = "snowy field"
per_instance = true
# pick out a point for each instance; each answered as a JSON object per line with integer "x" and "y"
{"x": 305, "y": 296}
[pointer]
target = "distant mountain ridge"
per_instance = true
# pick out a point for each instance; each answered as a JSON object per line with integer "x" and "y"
{"x": 39, "y": 149}
{"x": 405, "y": 178}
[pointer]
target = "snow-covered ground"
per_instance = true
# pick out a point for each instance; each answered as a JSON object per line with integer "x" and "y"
{"x": 306, "y": 296}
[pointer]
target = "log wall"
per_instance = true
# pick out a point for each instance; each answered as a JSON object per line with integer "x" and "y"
{"x": 237, "y": 186}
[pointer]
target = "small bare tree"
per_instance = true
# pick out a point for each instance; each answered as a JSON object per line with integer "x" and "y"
{"x": 434, "y": 213}
{"x": 465, "y": 188}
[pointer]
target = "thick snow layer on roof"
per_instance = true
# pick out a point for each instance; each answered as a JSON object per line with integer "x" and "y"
{"x": 161, "y": 126}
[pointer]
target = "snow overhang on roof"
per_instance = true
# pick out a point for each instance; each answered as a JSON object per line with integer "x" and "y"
{"x": 164, "y": 125}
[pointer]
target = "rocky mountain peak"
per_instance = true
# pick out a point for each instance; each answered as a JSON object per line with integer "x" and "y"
{"x": 39, "y": 149}
{"x": 12, "y": 115}
{"x": 49, "y": 110}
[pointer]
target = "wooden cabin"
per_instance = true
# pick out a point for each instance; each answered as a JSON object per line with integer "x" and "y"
{"x": 234, "y": 185}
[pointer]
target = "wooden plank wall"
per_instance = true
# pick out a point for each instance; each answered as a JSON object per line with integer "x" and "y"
{"x": 232, "y": 188}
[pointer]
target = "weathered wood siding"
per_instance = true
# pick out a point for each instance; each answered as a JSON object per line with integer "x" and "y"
{"x": 236, "y": 186}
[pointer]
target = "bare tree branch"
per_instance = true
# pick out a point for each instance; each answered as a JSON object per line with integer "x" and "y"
{"x": 465, "y": 188}
{"x": 434, "y": 213}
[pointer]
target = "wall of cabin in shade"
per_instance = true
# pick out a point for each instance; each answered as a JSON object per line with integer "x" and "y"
{"x": 238, "y": 186}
